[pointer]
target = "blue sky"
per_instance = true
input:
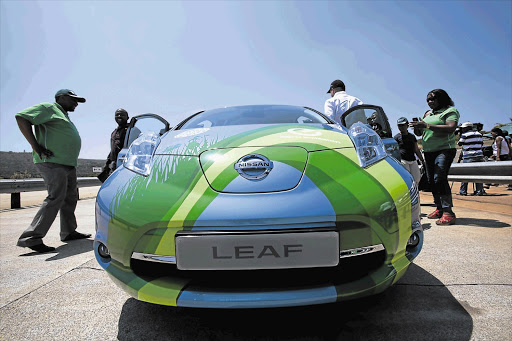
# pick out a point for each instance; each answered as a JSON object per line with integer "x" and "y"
{"x": 176, "y": 58}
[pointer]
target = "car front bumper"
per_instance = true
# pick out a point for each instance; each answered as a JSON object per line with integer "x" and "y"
{"x": 255, "y": 288}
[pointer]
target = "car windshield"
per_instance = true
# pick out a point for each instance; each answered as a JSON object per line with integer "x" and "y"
{"x": 255, "y": 114}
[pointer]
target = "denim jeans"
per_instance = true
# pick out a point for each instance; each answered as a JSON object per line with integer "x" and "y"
{"x": 437, "y": 166}
{"x": 464, "y": 185}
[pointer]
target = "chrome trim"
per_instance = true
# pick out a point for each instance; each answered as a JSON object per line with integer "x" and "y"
{"x": 361, "y": 251}
{"x": 154, "y": 258}
{"x": 343, "y": 254}
{"x": 328, "y": 227}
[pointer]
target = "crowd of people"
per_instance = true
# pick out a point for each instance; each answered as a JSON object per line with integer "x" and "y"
{"x": 438, "y": 130}
{"x": 56, "y": 144}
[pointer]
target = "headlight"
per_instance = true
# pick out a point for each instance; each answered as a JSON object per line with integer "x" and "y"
{"x": 369, "y": 146}
{"x": 140, "y": 155}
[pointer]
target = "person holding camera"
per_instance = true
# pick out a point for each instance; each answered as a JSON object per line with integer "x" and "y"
{"x": 437, "y": 129}
{"x": 472, "y": 143}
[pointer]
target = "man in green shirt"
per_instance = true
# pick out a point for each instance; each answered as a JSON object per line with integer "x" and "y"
{"x": 56, "y": 145}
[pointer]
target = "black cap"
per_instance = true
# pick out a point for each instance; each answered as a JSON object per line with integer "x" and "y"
{"x": 336, "y": 84}
{"x": 69, "y": 93}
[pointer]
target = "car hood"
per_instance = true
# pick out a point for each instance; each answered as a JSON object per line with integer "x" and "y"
{"x": 253, "y": 158}
{"x": 311, "y": 137}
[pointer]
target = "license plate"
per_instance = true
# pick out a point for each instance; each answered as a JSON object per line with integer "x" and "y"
{"x": 257, "y": 251}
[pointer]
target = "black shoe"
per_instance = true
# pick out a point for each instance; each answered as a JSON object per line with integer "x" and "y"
{"x": 41, "y": 248}
{"x": 76, "y": 235}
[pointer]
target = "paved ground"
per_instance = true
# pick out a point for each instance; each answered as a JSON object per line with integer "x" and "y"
{"x": 460, "y": 288}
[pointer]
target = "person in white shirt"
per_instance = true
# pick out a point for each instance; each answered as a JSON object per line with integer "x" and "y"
{"x": 500, "y": 148}
{"x": 339, "y": 102}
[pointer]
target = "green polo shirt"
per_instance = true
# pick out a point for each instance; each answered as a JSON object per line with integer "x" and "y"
{"x": 434, "y": 140}
{"x": 54, "y": 131}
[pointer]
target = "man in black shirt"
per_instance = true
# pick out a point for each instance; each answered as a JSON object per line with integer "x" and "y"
{"x": 408, "y": 149}
{"x": 116, "y": 143}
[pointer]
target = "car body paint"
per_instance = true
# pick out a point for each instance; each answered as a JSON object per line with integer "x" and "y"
{"x": 143, "y": 214}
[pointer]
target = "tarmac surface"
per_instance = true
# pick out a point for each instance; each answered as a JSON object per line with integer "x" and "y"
{"x": 459, "y": 288}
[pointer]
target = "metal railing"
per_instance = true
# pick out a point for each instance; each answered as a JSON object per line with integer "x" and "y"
{"x": 495, "y": 172}
{"x": 16, "y": 186}
{"x": 479, "y": 172}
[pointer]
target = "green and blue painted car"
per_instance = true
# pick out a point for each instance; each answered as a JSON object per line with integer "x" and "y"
{"x": 258, "y": 206}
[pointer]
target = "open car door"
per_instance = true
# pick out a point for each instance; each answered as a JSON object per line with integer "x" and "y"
{"x": 375, "y": 117}
{"x": 138, "y": 125}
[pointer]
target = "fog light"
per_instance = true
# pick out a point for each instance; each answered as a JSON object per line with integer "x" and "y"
{"x": 414, "y": 240}
{"x": 103, "y": 251}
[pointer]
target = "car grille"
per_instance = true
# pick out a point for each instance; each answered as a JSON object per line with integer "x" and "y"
{"x": 348, "y": 270}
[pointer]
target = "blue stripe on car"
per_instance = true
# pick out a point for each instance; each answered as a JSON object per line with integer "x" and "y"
{"x": 404, "y": 173}
{"x": 196, "y": 298}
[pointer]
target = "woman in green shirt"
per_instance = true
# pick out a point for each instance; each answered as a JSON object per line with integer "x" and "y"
{"x": 439, "y": 147}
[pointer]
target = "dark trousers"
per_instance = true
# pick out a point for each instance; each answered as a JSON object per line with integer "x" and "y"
{"x": 479, "y": 186}
{"x": 437, "y": 166}
{"x": 61, "y": 184}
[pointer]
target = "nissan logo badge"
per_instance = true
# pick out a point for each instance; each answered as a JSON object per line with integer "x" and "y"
{"x": 254, "y": 167}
